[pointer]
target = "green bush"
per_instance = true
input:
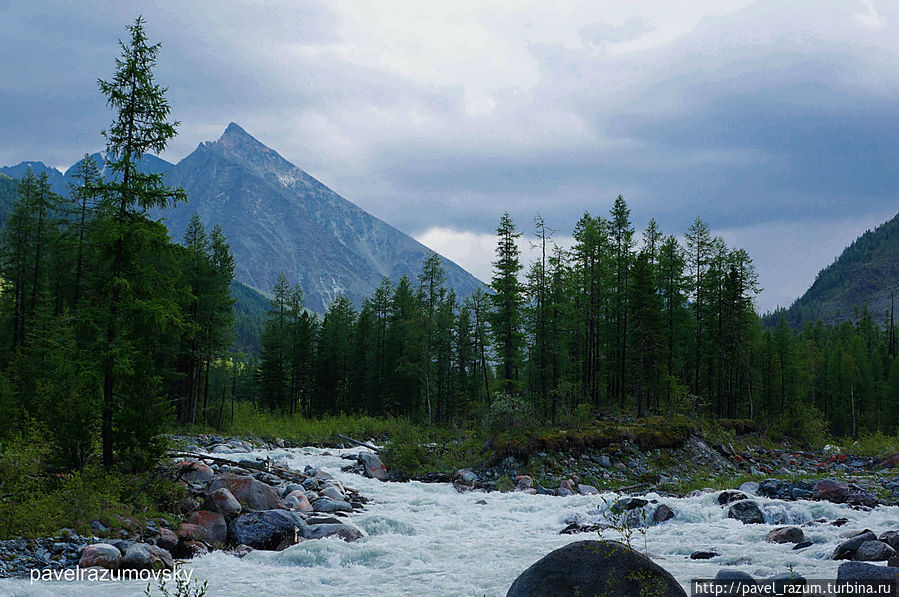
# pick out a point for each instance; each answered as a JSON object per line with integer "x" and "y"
{"x": 511, "y": 413}
{"x": 808, "y": 428}
{"x": 36, "y": 502}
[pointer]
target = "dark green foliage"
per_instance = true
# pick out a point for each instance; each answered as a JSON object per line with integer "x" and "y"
{"x": 109, "y": 328}
{"x": 506, "y": 317}
{"x": 8, "y": 194}
{"x": 250, "y": 309}
{"x": 656, "y": 329}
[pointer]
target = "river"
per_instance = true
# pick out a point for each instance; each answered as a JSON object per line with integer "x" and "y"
{"x": 428, "y": 539}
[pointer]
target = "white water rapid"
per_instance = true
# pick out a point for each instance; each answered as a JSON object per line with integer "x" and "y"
{"x": 428, "y": 539}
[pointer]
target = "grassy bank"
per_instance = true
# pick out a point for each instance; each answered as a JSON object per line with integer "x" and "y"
{"x": 37, "y": 499}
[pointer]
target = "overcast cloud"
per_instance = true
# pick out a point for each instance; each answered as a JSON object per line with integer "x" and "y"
{"x": 779, "y": 126}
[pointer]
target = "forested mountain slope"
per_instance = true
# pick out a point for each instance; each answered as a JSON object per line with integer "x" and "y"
{"x": 865, "y": 274}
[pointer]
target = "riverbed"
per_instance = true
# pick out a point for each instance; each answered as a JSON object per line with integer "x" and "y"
{"x": 429, "y": 539}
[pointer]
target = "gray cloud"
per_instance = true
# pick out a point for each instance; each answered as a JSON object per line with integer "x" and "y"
{"x": 746, "y": 115}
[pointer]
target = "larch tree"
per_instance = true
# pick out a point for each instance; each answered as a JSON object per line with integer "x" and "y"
{"x": 508, "y": 301}
{"x": 133, "y": 302}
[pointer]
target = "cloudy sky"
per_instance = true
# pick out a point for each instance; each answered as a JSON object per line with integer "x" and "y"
{"x": 776, "y": 122}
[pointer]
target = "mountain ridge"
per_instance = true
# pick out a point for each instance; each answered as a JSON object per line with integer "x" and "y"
{"x": 865, "y": 274}
{"x": 277, "y": 217}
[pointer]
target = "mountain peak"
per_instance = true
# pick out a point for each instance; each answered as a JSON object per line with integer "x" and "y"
{"x": 235, "y": 135}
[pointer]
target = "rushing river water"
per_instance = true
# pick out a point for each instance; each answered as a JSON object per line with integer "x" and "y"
{"x": 428, "y": 539}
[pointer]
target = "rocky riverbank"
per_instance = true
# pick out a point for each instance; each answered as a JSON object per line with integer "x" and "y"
{"x": 782, "y": 473}
{"x": 235, "y": 505}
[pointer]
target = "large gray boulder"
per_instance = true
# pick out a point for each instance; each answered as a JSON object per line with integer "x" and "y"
{"x": 595, "y": 568}
{"x": 785, "y": 535}
{"x": 846, "y": 549}
{"x": 372, "y": 466}
{"x": 873, "y": 551}
{"x": 143, "y": 556}
{"x": 329, "y": 505}
{"x": 222, "y": 500}
{"x": 347, "y": 532}
{"x": 746, "y": 511}
{"x": 103, "y": 555}
{"x": 269, "y": 529}
{"x": 250, "y": 493}
{"x": 862, "y": 572}
{"x": 891, "y": 538}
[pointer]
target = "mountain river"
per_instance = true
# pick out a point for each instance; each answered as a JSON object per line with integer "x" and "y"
{"x": 428, "y": 539}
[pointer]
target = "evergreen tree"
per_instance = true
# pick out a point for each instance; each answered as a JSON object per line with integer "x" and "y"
{"x": 273, "y": 368}
{"x": 507, "y": 300}
{"x": 699, "y": 247}
{"x": 123, "y": 231}
{"x": 623, "y": 243}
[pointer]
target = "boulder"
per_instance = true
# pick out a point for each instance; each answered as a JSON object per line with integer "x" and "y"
{"x": 662, "y": 513}
{"x": 861, "y": 497}
{"x": 785, "y": 535}
{"x": 222, "y": 500}
{"x": 329, "y": 505}
{"x": 372, "y": 466}
{"x": 831, "y": 490}
{"x": 855, "y": 572}
{"x": 586, "y": 489}
{"x": 167, "y": 539}
{"x": 297, "y": 500}
{"x": 846, "y": 549}
{"x": 728, "y": 496}
{"x": 192, "y": 532}
{"x": 873, "y": 551}
{"x": 331, "y": 492}
{"x": 214, "y": 523}
{"x": 734, "y": 583}
{"x": 194, "y": 472}
{"x": 143, "y": 556}
{"x": 595, "y": 568}
{"x": 746, "y": 511}
{"x": 704, "y": 555}
{"x": 523, "y": 482}
{"x": 347, "y": 532}
{"x": 802, "y": 545}
{"x": 268, "y": 529}
{"x": 103, "y": 555}
{"x": 251, "y": 493}
{"x": 752, "y": 488}
{"x": 782, "y": 580}
{"x": 626, "y": 504}
{"x": 192, "y": 549}
{"x": 465, "y": 476}
{"x": 891, "y": 538}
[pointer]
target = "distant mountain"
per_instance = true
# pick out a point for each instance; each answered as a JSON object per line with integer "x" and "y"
{"x": 58, "y": 182}
{"x": 279, "y": 218}
{"x": 865, "y": 274}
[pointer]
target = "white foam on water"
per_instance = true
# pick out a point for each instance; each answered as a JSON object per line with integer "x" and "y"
{"x": 428, "y": 539}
